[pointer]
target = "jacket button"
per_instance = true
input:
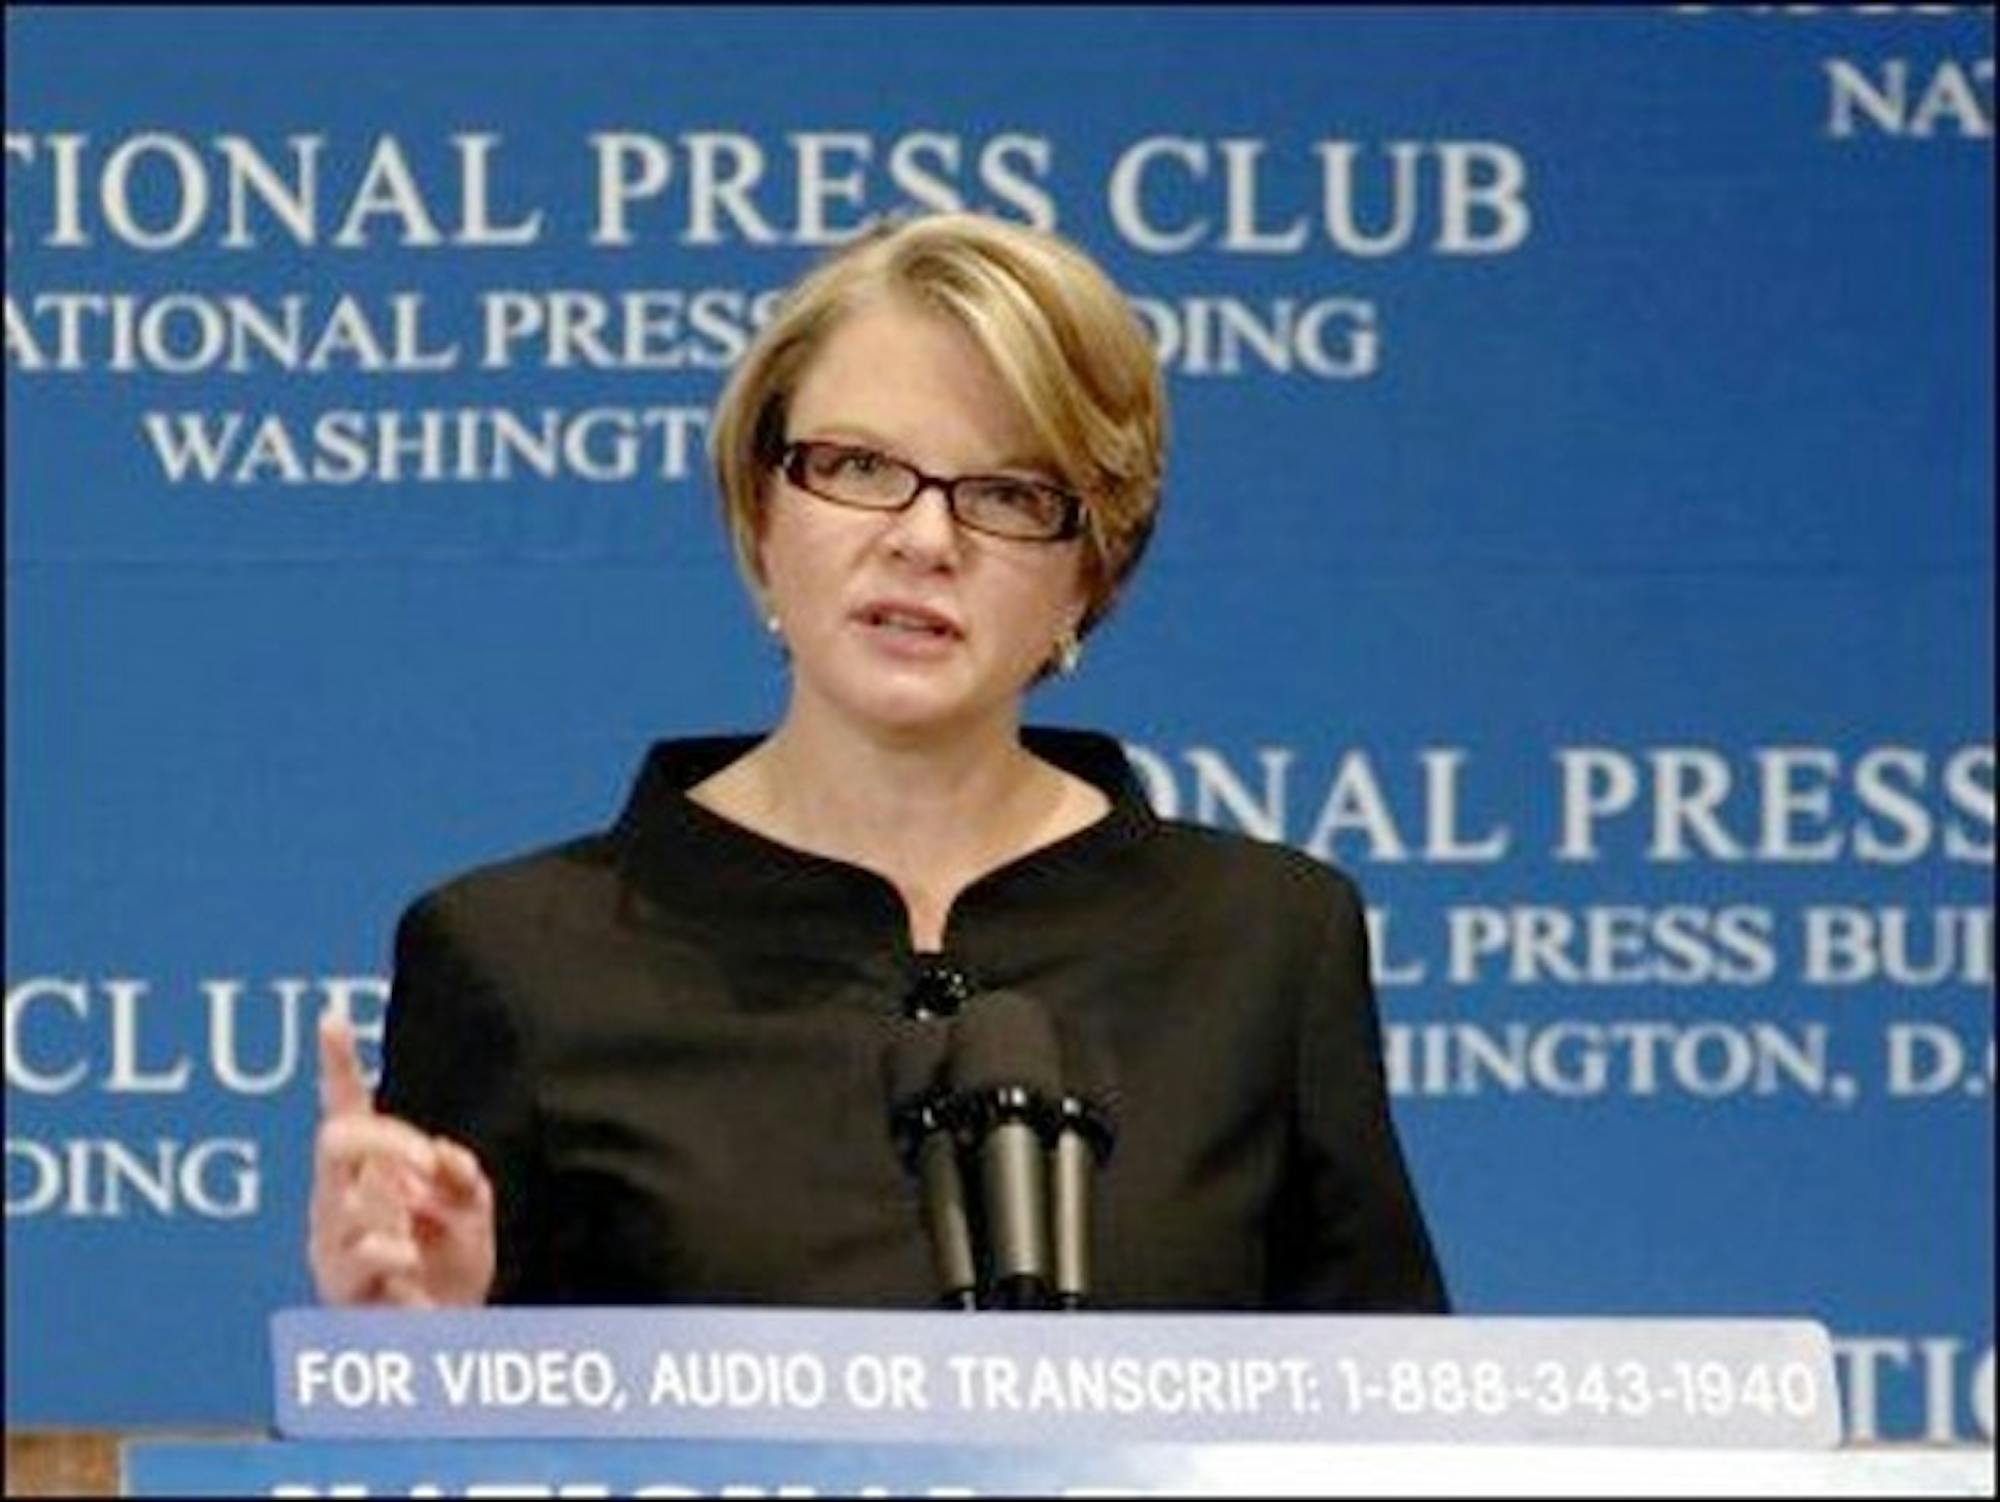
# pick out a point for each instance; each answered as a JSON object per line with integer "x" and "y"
{"x": 940, "y": 990}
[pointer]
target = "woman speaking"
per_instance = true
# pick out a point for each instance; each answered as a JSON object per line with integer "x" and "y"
{"x": 647, "y": 1065}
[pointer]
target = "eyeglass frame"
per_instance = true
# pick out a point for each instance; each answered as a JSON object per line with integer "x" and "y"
{"x": 790, "y": 463}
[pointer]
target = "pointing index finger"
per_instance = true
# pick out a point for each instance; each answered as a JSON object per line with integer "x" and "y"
{"x": 342, "y": 1091}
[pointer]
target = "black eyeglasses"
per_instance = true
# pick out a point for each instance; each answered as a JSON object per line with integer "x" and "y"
{"x": 999, "y": 505}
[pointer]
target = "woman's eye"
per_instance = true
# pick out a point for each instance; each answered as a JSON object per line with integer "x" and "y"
{"x": 856, "y": 462}
{"x": 1017, "y": 497}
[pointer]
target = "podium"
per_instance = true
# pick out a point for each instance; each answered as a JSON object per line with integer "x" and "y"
{"x": 789, "y": 1402}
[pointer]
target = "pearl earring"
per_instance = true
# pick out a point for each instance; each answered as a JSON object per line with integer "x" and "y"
{"x": 776, "y": 630}
{"x": 1069, "y": 652}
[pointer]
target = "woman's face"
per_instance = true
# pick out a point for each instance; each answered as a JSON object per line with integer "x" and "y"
{"x": 904, "y": 621}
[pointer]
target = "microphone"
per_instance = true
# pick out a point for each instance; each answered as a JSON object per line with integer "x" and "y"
{"x": 1004, "y": 1067}
{"x": 920, "y": 1119}
{"x": 1085, "y": 1130}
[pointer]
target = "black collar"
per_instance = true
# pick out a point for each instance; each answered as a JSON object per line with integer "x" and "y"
{"x": 667, "y": 839}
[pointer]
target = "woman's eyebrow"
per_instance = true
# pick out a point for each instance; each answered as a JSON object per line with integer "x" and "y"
{"x": 1040, "y": 466}
{"x": 851, "y": 431}
{"x": 860, "y": 433}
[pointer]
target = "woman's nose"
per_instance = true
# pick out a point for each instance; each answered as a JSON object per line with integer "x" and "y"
{"x": 925, "y": 529}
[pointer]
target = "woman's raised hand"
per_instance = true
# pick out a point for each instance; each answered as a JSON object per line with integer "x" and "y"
{"x": 399, "y": 1217}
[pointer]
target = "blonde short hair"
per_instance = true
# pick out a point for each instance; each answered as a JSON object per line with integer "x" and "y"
{"x": 1061, "y": 336}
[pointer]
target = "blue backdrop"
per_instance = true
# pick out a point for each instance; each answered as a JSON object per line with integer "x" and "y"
{"x": 1579, "y": 526}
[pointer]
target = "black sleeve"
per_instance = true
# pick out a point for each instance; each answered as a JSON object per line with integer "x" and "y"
{"x": 1348, "y": 1235}
{"x": 454, "y": 1062}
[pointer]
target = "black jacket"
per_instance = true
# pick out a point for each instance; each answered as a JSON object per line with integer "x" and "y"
{"x": 665, "y": 1042}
